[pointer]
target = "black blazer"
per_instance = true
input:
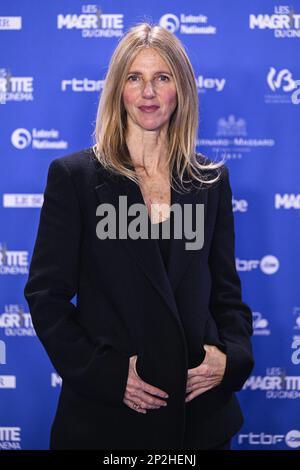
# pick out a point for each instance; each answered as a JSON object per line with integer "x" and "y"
{"x": 127, "y": 304}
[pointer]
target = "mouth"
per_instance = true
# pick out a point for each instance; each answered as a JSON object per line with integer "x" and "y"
{"x": 148, "y": 109}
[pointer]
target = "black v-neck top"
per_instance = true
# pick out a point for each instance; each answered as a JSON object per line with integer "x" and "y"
{"x": 164, "y": 243}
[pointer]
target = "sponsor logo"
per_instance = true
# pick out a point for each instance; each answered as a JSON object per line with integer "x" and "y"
{"x": 239, "y": 205}
{"x": 23, "y": 200}
{"x": 40, "y": 139}
{"x": 10, "y": 22}
{"x": 2, "y": 352}
{"x": 187, "y": 24}
{"x": 231, "y": 140}
{"x": 281, "y": 83}
{"x": 10, "y": 438}
{"x": 276, "y": 384}
{"x": 16, "y": 322}
{"x": 13, "y": 261}
{"x": 269, "y": 264}
{"x": 56, "y": 380}
{"x": 208, "y": 83}
{"x": 295, "y": 358}
{"x": 291, "y": 439}
{"x": 15, "y": 88}
{"x": 287, "y": 201}
{"x": 260, "y": 325}
{"x": 92, "y": 22}
{"x": 283, "y": 21}
{"x": 7, "y": 381}
{"x": 82, "y": 85}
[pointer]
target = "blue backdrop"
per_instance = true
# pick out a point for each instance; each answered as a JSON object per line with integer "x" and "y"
{"x": 53, "y": 60}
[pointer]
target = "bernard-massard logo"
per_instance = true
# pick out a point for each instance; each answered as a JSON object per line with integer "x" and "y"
{"x": 231, "y": 140}
{"x": 138, "y": 227}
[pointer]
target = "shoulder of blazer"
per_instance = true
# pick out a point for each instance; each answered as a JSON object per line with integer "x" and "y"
{"x": 82, "y": 166}
{"x": 77, "y": 160}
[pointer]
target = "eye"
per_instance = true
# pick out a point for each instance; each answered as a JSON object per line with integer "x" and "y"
{"x": 165, "y": 76}
{"x": 132, "y": 76}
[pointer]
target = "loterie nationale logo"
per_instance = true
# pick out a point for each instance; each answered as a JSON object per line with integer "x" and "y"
{"x": 187, "y": 24}
{"x": 284, "y": 21}
{"x": 13, "y": 88}
{"x": 231, "y": 140}
{"x": 93, "y": 22}
{"x": 40, "y": 139}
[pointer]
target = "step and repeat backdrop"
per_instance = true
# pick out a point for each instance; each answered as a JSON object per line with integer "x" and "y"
{"x": 53, "y": 60}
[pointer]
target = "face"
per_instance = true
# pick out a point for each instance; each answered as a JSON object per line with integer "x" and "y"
{"x": 149, "y": 94}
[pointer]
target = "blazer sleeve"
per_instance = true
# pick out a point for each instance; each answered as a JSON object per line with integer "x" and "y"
{"x": 233, "y": 317}
{"x": 94, "y": 369}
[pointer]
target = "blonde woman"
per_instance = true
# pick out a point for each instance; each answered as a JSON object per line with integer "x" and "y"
{"x": 159, "y": 339}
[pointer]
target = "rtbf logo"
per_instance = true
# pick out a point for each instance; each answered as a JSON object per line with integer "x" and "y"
{"x": 291, "y": 439}
{"x": 269, "y": 264}
{"x": 83, "y": 85}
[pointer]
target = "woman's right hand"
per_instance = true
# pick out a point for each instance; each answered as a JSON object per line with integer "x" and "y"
{"x": 139, "y": 394}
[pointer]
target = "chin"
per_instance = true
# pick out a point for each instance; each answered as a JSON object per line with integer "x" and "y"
{"x": 151, "y": 126}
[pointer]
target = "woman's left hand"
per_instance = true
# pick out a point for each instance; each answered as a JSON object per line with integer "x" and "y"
{"x": 208, "y": 374}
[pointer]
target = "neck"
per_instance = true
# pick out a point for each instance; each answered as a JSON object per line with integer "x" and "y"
{"x": 148, "y": 150}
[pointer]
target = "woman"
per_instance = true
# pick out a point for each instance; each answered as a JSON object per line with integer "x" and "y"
{"x": 159, "y": 339}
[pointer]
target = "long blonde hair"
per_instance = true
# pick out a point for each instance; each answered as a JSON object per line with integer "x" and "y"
{"x": 109, "y": 135}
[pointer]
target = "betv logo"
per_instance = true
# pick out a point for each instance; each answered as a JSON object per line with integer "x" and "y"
{"x": 280, "y": 80}
{"x": 291, "y": 439}
{"x": 269, "y": 264}
{"x": 287, "y": 201}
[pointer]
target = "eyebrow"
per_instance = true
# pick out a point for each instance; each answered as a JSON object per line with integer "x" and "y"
{"x": 140, "y": 73}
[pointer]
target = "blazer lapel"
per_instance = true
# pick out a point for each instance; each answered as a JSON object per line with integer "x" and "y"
{"x": 146, "y": 252}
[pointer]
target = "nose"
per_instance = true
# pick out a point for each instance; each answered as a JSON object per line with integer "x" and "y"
{"x": 148, "y": 89}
